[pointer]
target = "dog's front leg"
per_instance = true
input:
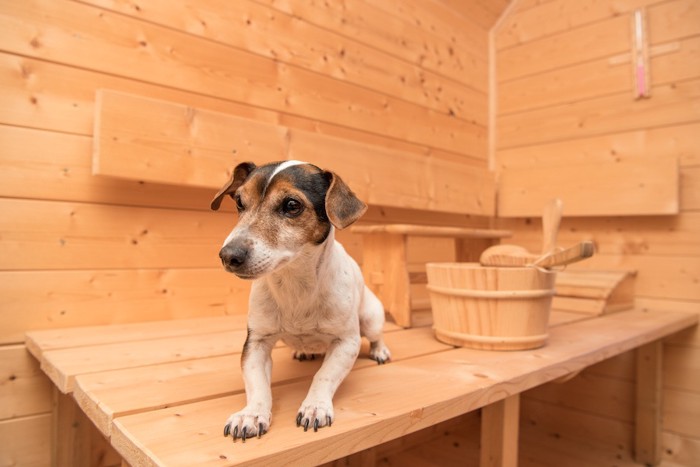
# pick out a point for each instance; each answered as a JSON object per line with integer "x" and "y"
{"x": 317, "y": 408}
{"x": 256, "y": 367}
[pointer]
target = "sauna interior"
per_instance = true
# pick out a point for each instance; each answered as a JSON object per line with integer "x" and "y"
{"x": 120, "y": 119}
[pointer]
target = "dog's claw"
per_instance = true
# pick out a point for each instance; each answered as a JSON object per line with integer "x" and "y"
{"x": 243, "y": 434}
{"x": 260, "y": 430}
{"x": 329, "y": 419}
{"x": 299, "y": 416}
{"x": 227, "y": 430}
{"x": 235, "y": 433}
{"x": 316, "y": 425}
{"x": 306, "y": 425}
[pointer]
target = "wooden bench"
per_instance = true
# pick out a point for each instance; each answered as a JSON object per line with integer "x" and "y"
{"x": 385, "y": 267}
{"x": 160, "y": 392}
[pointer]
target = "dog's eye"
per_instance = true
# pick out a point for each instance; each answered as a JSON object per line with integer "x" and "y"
{"x": 239, "y": 203}
{"x": 292, "y": 207}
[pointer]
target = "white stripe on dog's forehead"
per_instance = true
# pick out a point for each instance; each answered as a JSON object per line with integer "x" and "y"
{"x": 283, "y": 166}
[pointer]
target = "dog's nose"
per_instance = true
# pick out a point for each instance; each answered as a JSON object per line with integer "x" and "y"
{"x": 233, "y": 256}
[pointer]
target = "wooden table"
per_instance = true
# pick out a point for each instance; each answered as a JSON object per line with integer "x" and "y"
{"x": 160, "y": 392}
{"x": 385, "y": 264}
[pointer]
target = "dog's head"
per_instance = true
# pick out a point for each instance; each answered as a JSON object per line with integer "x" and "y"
{"x": 283, "y": 207}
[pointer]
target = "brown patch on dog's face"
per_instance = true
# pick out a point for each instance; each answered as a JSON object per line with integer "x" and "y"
{"x": 278, "y": 216}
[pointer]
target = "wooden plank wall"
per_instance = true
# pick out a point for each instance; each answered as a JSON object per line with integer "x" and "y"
{"x": 76, "y": 249}
{"x": 565, "y": 98}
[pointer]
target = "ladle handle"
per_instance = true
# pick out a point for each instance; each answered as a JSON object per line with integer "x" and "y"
{"x": 551, "y": 218}
{"x": 576, "y": 253}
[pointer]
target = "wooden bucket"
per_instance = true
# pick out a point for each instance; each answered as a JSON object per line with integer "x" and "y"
{"x": 492, "y": 308}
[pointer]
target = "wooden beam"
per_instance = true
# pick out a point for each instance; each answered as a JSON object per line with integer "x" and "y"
{"x": 385, "y": 258}
{"x": 70, "y": 444}
{"x": 499, "y": 433}
{"x": 647, "y": 438}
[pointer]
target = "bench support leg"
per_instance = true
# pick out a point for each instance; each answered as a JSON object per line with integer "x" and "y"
{"x": 75, "y": 441}
{"x": 468, "y": 250}
{"x": 70, "y": 438}
{"x": 499, "y": 433}
{"x": 648, "y": 407}
{"x": 384, "y": 267}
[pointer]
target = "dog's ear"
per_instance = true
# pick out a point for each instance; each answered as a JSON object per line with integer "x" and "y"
{"x": 342, "y": 206}
{"x": 239, "y": 176}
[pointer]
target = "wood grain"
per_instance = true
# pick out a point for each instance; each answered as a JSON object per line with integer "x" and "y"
{"x": 165, "y": 431}
{"x": 632, "y": 187}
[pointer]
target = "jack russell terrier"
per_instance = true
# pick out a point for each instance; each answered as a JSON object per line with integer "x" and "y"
{"x": 306, "y": 289}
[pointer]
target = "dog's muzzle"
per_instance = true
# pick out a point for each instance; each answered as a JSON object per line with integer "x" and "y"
{"x": 233, "y": 257}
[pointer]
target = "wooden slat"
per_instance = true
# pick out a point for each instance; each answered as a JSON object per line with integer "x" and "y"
{"x": 39, "y": 342}
{"x": 671, "y": 62}
{"x": 588, "y": 284}
{"x": 634, "y": 187}
{"x": 25, "y": 441}
{"x": 56, "y": 235}
{"x": 289, "y": 39}
{"x": 555, "y": 423}
{"x": 388, "y": 177}
{"x": 431, "y": 231}
{"x": 144, "y": 139}
{"x": 483, "y": 12}
{"x": 680, "y": 411}
{"x": 454, "y": 56}
{"x": 108, "y": 395}
{"x": 127, "y": 346}
{"x": 39, "y": 94}
{"x": 674, "y": 19}
{"x": 25, "y": 390}
{"x": 58, "y": 166}
{"x": 115, "y": 44}
{"x": 669, "y": 236}
{"x": 62, "y": 365}
{"x": 672, "y": 141}
{"x": 680, "y": 450}
{"x": 172, "y": 143}
{"x": 658, "y": 277}
{"x": 55, "y": 299}
{"x": 681, "y": 367}
{"x": 570, "y": 445}
{"x": 603, "y": 396}
{"x": 444, "y": 385}
{"x": 588, "y": 42}
{"x": 549, "y": 18}
{"x": 673, "y": 104}
{"x": 547, "y": 50}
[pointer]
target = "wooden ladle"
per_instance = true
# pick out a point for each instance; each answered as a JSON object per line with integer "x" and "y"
{"x": 515, "y": 255}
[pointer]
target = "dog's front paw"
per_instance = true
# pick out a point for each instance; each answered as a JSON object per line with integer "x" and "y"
{"x": 379, "y": 352}
{"x": 315, "y": 413}
{"x": 247, "y": 424}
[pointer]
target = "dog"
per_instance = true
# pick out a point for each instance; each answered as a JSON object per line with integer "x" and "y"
{"x": 306, "y": 290}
